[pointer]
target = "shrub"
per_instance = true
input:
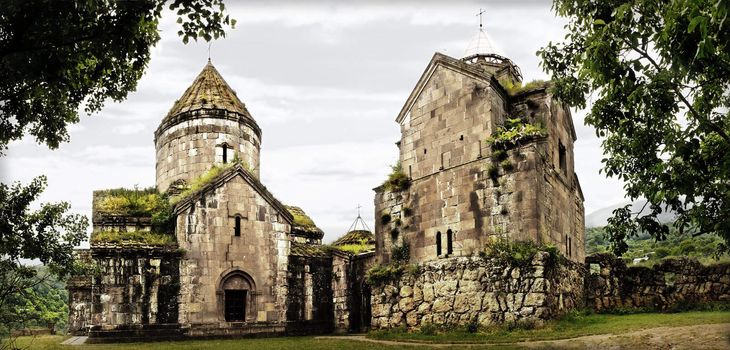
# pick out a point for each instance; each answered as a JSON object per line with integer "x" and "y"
{"x": 514, "y": 89}
{"x": 493, "y": 172}
{"x": 394, "y": 234}
{"x": 381, "y": 274}
{"x": 413, "y": 269}
{"x": 472, "y": 326}
{"x": 515, "y": 131}
{"x": 401, "y": 253}
{"x": 385, "y": 219}
{"x": 507, "y": 165}
{"x": 519, "y": 253}
{"x": 397, "y": 180}
{"x": 428, "y": 328}
{"x": 499, "y": 155}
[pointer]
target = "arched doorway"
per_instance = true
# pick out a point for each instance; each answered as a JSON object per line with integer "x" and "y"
{"x": 237, "y": 291}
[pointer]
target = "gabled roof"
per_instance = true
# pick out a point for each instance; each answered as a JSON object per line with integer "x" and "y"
{"x": 356, "y": 237}
{"x": 462, "y": 67}
{"x": 303, "y": 225}
{"x": 224, "y": 177}
{"x": 209, "y": 91}
{"x": 310, "y": 250}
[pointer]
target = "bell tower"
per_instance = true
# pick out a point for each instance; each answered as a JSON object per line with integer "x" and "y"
{"x": 208, "y": 126}
{"x": 482, "y": 52}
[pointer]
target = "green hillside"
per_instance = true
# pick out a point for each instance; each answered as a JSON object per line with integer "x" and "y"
{"x": 703, "y": 248}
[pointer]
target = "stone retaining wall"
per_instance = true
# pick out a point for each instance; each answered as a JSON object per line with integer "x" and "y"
{"x": 463, "y": 290}
{"x": 672, "y": 284}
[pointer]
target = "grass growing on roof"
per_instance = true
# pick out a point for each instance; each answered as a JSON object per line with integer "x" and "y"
{"x": 202, "y": 180}
{"x": 133, "y": 202}
{"x": 301, "y": 219}
{"x": 513, "y": 132}
{"x": 142, "y": 237}
{"x": 397, "y": 179}
{"x": 514, "y": 89}
{"x": 356, "y": 248}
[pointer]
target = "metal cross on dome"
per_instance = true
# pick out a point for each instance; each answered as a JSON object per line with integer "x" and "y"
{"x": 481, "y": 12}
{"x": 359, "y": 220}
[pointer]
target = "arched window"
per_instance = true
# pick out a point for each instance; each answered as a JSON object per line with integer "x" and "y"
{"x": 191, "y": 220}
{"x": 225, "y": 154}
{"x": 237, "y": 227}
{"x": 438, "y": 243}
{"x": 449, "y": 242}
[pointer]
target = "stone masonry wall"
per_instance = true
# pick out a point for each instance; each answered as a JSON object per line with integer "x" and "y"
{"x": 673, "y": 283}
{"x": 190, "y": 148}
{"x": 134, "y": 286}
{"x": 214, "y": 255}
{"x": 459, "y": 291}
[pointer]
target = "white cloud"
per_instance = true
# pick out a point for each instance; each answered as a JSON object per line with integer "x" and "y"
{"x": 324, "y": 80}
{"x": 129, "y": 129}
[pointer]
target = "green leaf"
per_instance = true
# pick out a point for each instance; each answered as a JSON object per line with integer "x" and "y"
{"x": 695, "y": 21}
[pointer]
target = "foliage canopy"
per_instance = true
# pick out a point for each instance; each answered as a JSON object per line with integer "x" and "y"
{"x": 57, "y": 57}
{"x": 659, "y": 75}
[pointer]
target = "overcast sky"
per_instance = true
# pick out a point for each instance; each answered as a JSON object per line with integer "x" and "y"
{"x": 324, "y": 81}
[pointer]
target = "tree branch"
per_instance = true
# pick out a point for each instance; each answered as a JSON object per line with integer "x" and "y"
{"x": 696, "y": 114}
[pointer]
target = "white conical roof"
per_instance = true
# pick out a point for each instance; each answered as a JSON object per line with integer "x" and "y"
{"x": 481, "y": 45}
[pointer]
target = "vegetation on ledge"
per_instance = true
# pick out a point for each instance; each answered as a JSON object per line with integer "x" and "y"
{"x": 400, "y": 255}
{"x": 136, "y": 202}
{"x": 397, "y": 180}
{"x": 514, "y": 89}
{"x": 130, "y": 202}
{"x": 202, "y": 180}
{"x": 519, "y": 253}
{"x": 139, "y": 237}
{"x": 356, "y": 248}
{"x": 514, "y": 132}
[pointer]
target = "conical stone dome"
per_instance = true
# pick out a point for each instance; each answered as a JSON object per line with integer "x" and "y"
{"x": 208, "y": 92}
{"x": 208, "y": 126}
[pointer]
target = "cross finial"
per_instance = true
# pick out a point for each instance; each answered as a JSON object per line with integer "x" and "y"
{"x": 481, "y": 12}
{"x": 209, "y": 44}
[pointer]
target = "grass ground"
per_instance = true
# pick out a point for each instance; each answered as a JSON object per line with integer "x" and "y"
{"x": 283, "y": 343}
{"x": 568, "y": 327}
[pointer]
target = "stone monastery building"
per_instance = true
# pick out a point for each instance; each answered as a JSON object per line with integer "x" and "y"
{"x": 211, "y": 252}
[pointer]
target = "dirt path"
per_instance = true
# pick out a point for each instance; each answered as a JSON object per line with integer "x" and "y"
{"x": 712, "y": 336}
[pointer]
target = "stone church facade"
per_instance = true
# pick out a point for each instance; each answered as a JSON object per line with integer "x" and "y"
{"x": 466, "y": 193}
{"x": 235, "y": 260}
{"x": 209, "y": 251}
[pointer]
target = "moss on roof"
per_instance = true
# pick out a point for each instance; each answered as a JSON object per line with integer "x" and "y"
{"x": 200, "y": 181}
{"x": 128, "y": 202}
{"x": 310, "y": 250}
{"x": 303, "y": 224}
{"x": 132, "y": 237}
{"x": 356, "y": 237}
{"x": 356, "y": 242}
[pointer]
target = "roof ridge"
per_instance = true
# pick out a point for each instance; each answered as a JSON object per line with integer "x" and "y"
{"x": 223, "y": 178}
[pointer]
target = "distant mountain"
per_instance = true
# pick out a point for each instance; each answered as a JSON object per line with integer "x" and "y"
{"x": 599, "y": 218}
